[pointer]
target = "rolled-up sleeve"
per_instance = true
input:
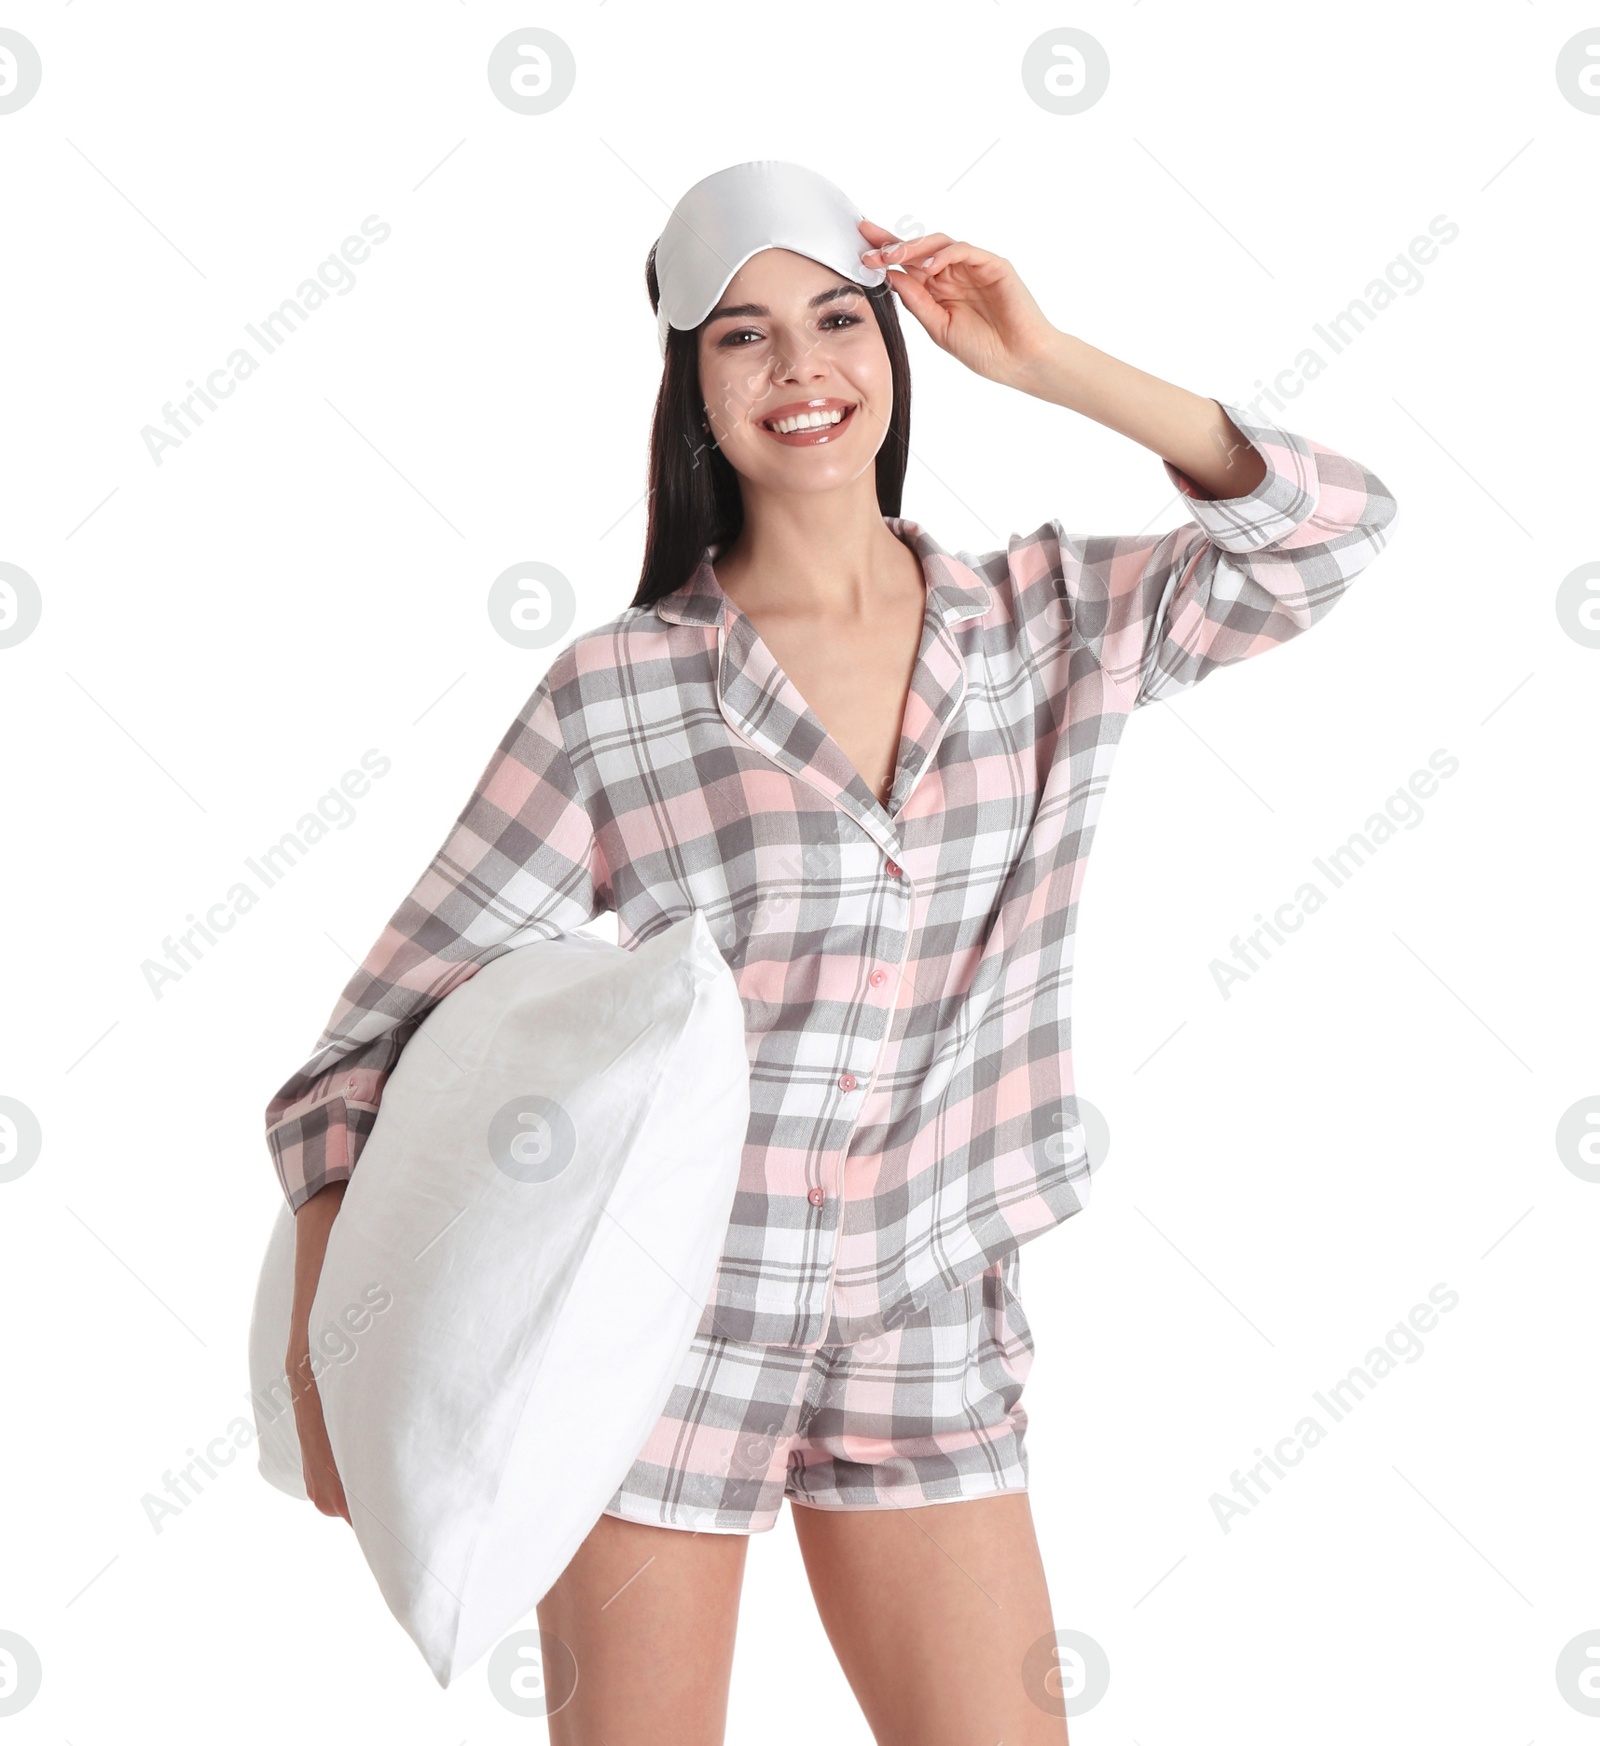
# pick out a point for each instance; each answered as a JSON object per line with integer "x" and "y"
{"x": 1243, "y": 575}
{"x": 520, "y": 863}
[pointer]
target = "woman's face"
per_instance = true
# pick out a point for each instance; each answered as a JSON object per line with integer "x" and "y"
{"x": 791, "y": 340}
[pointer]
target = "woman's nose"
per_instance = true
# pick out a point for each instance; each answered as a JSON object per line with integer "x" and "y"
{"x": 799, "y": 357}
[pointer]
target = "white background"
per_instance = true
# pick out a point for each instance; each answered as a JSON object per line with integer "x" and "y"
{"x": 1291, "y": 1169}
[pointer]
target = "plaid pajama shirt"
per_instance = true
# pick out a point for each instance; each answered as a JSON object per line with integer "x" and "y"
{"x": 906, "y": 968}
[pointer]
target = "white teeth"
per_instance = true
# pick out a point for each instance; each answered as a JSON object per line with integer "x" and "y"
{"x": 806, "y": 421}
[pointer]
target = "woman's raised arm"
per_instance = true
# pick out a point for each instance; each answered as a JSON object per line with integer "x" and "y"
{"x": 1244, "y": 574}
{"x": 1281, "y": 524}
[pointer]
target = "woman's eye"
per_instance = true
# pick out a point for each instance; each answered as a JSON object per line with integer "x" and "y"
{"x": 735, "y": 337}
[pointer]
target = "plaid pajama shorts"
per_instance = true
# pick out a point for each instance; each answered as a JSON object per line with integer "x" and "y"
{"x": 928, "y": 1411}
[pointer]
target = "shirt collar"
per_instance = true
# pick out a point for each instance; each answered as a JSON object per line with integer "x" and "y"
{"x": 762, "y": 705}
{"x": 957, "y": 591}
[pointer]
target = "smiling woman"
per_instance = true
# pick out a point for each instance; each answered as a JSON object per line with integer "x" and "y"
{"x": 695, "y": 496}
{"x": 794, "y": 358}
{"x": 875, "y": 766}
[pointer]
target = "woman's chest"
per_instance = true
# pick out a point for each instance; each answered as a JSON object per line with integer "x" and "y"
{"x": 706, "y": 810}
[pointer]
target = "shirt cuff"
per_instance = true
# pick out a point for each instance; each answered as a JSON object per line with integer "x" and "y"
{"x": 318, "y": 1147}
{"x": 1285, "y": 499}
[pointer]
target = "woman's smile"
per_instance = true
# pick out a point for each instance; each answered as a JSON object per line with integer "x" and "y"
{"x": 803, "y": 423}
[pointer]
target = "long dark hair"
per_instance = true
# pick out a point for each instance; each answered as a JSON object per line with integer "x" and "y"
{"x": 694, "y": 493}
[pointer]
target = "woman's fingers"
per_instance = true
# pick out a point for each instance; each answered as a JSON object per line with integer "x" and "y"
{"x": 328, "y": 1495}
{"x": 318, "y": 1469}
{"x": 875, "y": 233}
{"x": 886, "y": 239}
{"x": 961, "y": 294}
{"x": 912, "y": 252}
{"x": 325, "y": 1490}
{"x": 933, "y": 315}
{"x": 922, "y": 257}
{"x": 984, "y": 266}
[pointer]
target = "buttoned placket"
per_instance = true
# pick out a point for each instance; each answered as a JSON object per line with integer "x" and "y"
{"x": 898, "y": 877}
{"x": 749, "y": 703}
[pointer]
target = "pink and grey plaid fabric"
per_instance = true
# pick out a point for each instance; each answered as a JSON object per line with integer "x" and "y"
{"x": 906, "y": 969}
{"x": 927, "y": 1412}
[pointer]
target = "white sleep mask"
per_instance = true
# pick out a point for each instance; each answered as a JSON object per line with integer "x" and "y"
{"x": 727, "y": 217}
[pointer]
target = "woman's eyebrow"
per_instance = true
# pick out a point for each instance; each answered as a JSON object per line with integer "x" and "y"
{"x": 761, "y": 308}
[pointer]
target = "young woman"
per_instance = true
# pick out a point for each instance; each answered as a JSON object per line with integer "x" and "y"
{"x": 876, "y": 766}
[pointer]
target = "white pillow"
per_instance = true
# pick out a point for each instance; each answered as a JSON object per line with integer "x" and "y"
{"x": 498, "y": 1338}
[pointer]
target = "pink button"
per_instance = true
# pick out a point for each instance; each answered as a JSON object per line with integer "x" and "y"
{"x": 816, "y": 1197}
{"x": 878, "y": 978}
{"x": 893, "y": 869}
{"x": 847, "y": 1082}
{"x": 350, "y": 1087}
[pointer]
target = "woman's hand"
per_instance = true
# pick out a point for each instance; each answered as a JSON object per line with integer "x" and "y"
{"x": 323, "y": 1485}
{"x": 971, "y": 303}
{"x": 312, "y": 1226}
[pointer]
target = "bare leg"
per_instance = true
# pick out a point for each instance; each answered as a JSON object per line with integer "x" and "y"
{"x": 932, "y": 1612}
{"x": 649, "y": 1614}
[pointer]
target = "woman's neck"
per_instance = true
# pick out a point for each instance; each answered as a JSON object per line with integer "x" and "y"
{"x": 813, "y": 555}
